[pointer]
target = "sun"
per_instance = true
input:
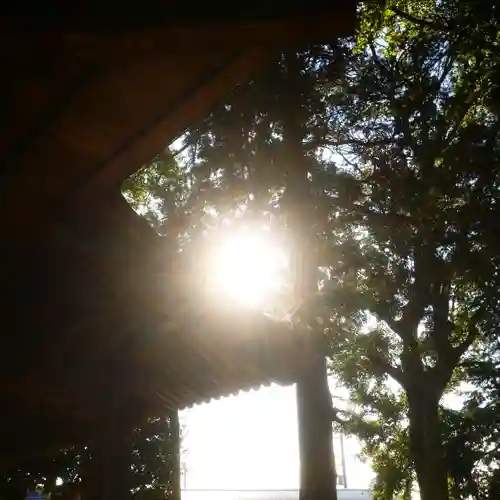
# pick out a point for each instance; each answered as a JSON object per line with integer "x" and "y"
{"x": 247, "y": 268}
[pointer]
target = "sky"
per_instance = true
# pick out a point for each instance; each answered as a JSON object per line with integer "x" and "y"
{"x": 250, "y": 441}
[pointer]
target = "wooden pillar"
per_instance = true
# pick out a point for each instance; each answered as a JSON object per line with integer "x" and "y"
{"x": 109, "y": 473}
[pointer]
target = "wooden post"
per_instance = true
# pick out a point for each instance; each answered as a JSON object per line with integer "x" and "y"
{"x": 109, "y": 474}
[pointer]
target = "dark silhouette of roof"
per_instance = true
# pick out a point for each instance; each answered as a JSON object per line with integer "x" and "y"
{"x": 87, "y": 98}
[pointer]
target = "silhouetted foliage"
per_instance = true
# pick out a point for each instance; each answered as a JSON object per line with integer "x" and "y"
{"x": 61, "y": 475}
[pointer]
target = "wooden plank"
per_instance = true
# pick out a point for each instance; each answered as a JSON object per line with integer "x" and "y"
{"x": 93, "y": 16}
{"x": 129, "y": 156}
{"x": 122, "y": 119}
{"x": 109, "y": 114}
{"x": 116, "y": 48}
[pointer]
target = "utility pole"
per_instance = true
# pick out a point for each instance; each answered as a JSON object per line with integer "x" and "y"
{"x": 314, "y": 405}
{"x": 184, "y": 471}
{"x": 342, "y": 455}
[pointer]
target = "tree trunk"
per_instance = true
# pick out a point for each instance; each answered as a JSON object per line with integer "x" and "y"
{"x": 427, "y": 449}
{"x": 317, "y": 462}
{"x": 317, "y": 473}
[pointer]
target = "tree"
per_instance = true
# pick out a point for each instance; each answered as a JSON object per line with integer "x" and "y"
{"x": 414, "y": 183}
{"x": 318, "y": 477}
{"x": 160, "y": 192}
{"x": 255, "y": 152}
{"x": 472, "y": 434}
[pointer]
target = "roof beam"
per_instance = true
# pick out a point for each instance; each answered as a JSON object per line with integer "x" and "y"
{"x": 95, "y": 16}
{"x": 129, "y": 157}
{"x": 115, "y": 47}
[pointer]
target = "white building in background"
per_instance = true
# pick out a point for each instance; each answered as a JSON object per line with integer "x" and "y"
{"x": 343, "y": 494}
{"x": 341, "y": 466}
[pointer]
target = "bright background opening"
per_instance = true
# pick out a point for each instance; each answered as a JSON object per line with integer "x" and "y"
{"x": 250, "y": 441}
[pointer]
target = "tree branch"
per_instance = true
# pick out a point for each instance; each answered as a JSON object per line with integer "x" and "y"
{"x": 337, "y": 419}
{"x": 460, "y": 349}
{"x": 422, "y": 22}
{"x": 448, "y": 361}
{"x": 391, "y": 218}
{"x": 386, "y": 367}
{"x": 353, "y": 142}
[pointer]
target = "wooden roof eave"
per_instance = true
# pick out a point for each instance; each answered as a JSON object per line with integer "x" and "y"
{"x": 73, "y": 161}
{"x": 251, "y": 46}
{"x": 216, "y": 37}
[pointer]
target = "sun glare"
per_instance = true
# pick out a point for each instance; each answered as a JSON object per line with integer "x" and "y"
{"x": 248, "y": 268}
